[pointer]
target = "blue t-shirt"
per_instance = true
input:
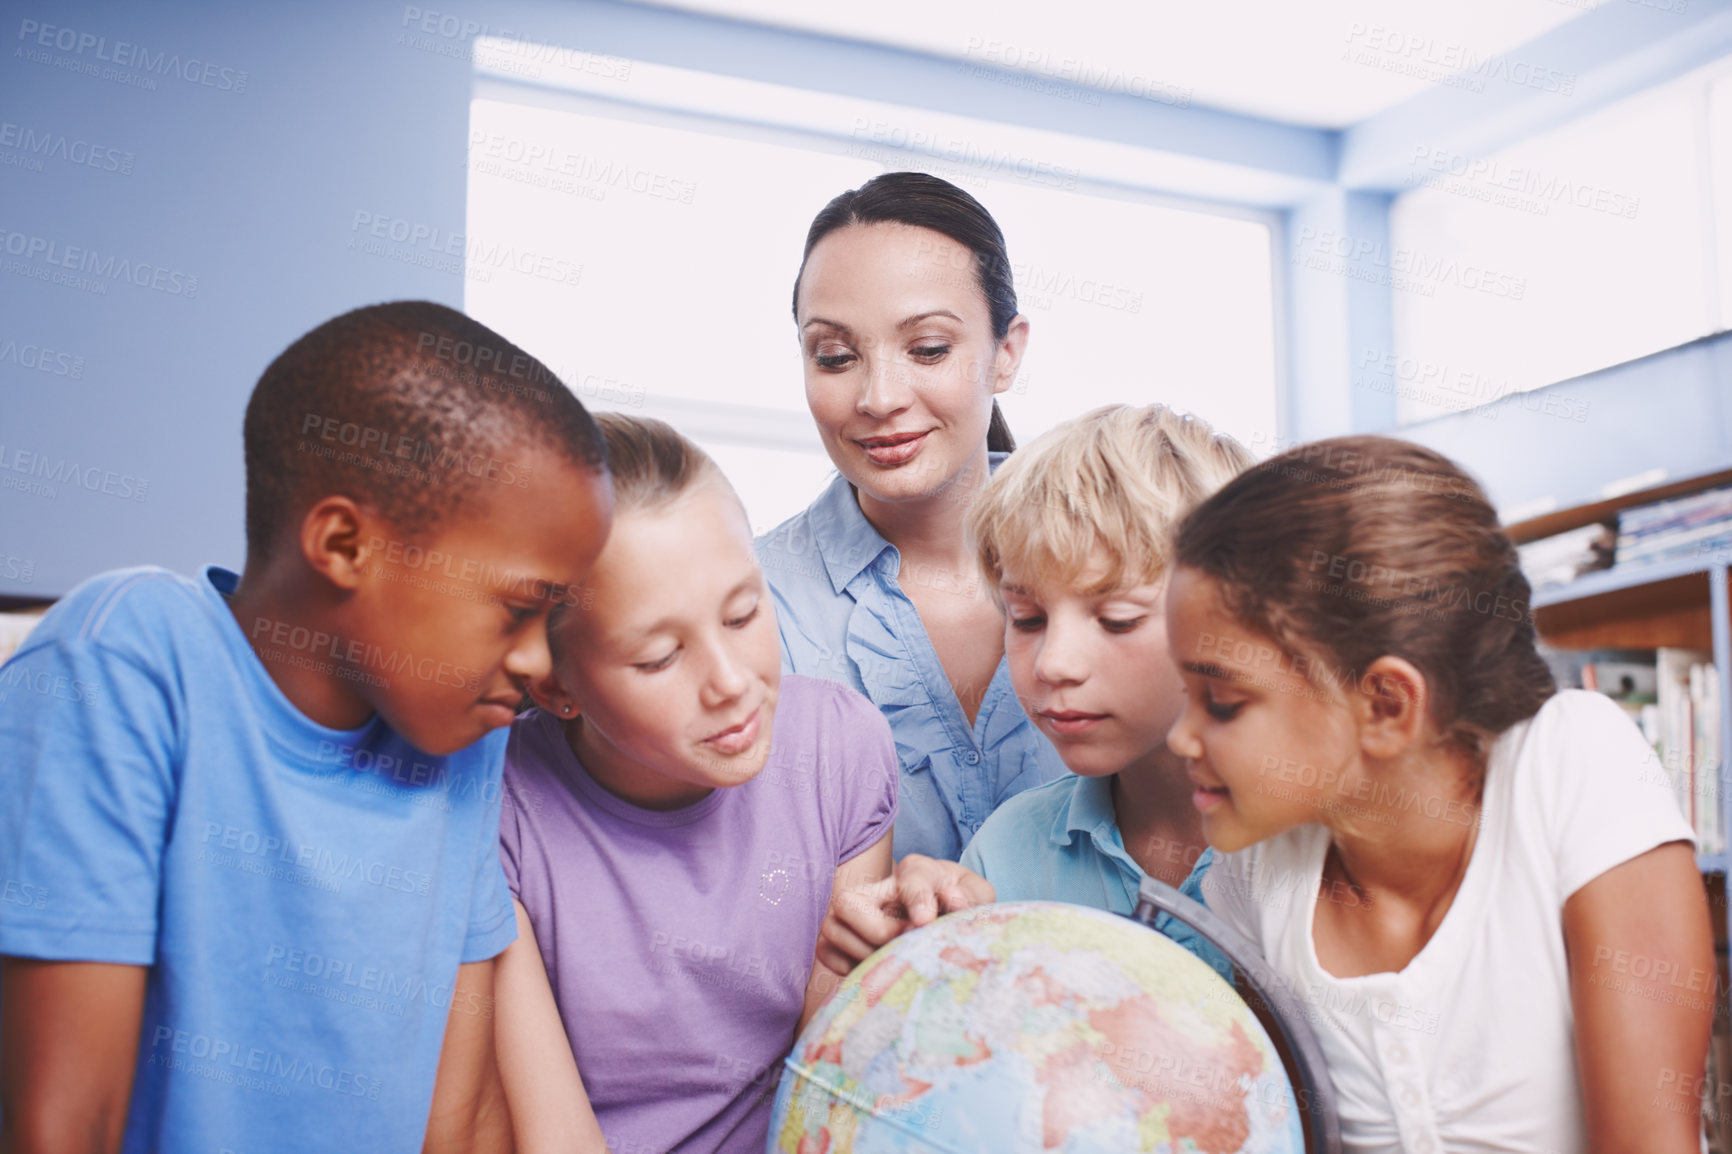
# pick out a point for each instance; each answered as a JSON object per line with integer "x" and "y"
{"x": 1061, "y": 843}
{"x": 302, "y": 895}
{"x": 844, "y": 617}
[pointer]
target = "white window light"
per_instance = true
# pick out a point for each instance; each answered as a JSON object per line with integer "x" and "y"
{"x": 682, "y": 233}
{"x": 990, "y": 148}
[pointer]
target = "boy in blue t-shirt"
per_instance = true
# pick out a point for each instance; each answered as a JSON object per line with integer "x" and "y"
{"x": 250, "y": 888}
{"x": 1072, "y": 532}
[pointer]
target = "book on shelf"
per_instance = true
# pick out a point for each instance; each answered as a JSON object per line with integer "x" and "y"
{"x": 1563, "y": 557}
{"x": 1689, "y": 526}
{"x": 1704, "y": 689}
{"x": 1673, "y": 695}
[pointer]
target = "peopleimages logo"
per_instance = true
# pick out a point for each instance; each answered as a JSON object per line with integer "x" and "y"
{"x": 41, "y": 358}
{"x": 1361, "y": 258}
{"x": 60, "y": 471}
{"x": 42, "y": 144}
{"x": 485, "y": 147}
{"x": 124, "y": 54}
{"x": 224, "y": 844}
{"x": 506, "y": 50}
{"x": 1530, "y": 188}
{"x": 18, "y": 675}
{"x": 93, "y": 263}
{"x": 1457, "y": 65}
{"x": 437, "y": 242}
{"x": 975, "y": 157}
{"x": 234, "y": 1062}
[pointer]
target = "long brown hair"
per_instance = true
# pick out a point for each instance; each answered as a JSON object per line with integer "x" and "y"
{"x": 1354, "y": 548}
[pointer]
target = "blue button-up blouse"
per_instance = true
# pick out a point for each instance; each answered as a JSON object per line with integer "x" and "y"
{"x": 844, "y": 617}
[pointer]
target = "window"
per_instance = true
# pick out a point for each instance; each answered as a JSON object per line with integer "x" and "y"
{"x": 652, "y": 255}
{"x": 1602, "y": 236}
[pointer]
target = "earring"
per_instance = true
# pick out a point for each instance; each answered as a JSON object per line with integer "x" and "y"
{"x": 565, "y": 708}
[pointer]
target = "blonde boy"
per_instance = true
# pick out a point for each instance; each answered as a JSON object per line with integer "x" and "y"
{"x": 1073, "y": 533}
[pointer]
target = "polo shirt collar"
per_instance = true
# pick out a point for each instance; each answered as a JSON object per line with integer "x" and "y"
{"x": 1090, "y": 812}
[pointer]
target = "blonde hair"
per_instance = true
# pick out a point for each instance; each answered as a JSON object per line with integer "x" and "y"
{"x": 1114, "y": 482}
{"x": 652, "y": 464}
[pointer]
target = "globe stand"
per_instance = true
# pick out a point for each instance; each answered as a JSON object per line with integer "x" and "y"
{"x": 1298, "y": 1045}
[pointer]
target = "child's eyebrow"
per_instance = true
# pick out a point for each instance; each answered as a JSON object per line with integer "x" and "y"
{"x": 1110, "y": 587}
{"x": 1207, "y": 669}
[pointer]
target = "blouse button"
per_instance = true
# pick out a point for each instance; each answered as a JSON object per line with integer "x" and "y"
{"x": 1410, "y": 1096}
{"x": 973, "y": 758}
{"x": 1425, "y": 1145}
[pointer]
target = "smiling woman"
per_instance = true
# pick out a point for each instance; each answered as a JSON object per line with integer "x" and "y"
{"x": 908, "y": 331}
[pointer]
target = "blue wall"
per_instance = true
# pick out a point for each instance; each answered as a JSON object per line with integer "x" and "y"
{"x": 253, "y": 188}
{"x": 127, "y": 449}
{"x": 253, "y": 193}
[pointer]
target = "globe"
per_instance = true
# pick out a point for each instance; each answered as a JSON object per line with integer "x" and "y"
{"x": 1034, "y": 1026}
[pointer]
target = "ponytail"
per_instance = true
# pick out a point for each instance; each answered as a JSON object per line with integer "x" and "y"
{"x": 998, "y": 437}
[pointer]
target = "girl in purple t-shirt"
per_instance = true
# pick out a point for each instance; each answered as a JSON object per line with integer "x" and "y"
{"x": 677, "y": 814}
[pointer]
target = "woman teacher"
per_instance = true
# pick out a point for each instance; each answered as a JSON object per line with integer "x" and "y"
{"x": 908, "y": 329}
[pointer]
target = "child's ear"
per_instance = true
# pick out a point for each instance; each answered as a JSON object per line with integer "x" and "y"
{"x": 334, "y": 540}
{"x": 548, "y": 693}
{"x": 1394, "y": 707}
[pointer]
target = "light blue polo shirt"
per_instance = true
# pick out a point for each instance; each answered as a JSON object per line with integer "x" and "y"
{"x": 1061, "y": 843}
{"x": 844, "y": 617}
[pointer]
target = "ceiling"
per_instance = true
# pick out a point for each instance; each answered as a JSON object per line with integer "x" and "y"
{"x": 1320, "y": 63}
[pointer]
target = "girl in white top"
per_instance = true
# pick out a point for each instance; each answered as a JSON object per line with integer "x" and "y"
{"x": 1480, "y": 888}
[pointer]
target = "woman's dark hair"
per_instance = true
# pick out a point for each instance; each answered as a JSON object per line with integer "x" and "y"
{"x": 1346, "y": 550}
{"x": 925, "y": 201}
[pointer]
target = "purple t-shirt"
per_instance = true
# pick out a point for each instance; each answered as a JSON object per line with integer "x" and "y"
{"x": 679, "y": 942}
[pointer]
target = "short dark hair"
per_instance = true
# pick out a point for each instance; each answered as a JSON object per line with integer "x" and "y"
{"x": 922, "y": 200}
{"x": 410, "y": 407}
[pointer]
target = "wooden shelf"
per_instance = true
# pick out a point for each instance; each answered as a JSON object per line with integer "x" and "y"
{"x": 1661, "y": 611}
{"x": 1563, "y": 520}
{"x": 1665, "y": 604}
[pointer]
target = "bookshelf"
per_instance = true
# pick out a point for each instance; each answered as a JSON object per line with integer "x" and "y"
{"x": 1682, "y": 603}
